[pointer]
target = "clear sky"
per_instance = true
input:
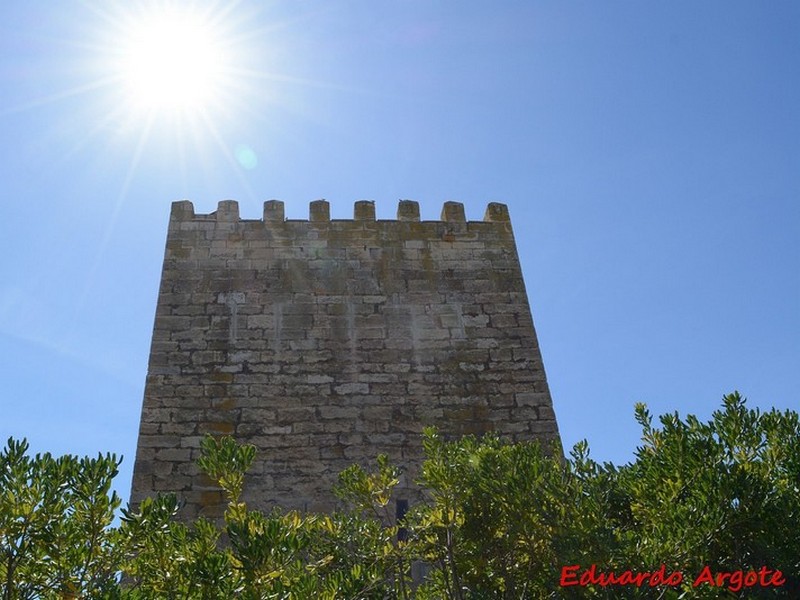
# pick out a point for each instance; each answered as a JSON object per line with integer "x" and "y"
{"x": 649, "y": 154}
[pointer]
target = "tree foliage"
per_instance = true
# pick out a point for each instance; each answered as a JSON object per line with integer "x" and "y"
{"x": 55, "y": 517}
{"x": 497, "y": 521}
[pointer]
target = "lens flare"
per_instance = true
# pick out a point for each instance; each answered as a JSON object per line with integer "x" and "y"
{"x": 246, "y": 157}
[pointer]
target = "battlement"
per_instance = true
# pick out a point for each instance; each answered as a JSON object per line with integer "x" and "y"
{"x": 319, "y": 212}
{"x": 325, "y": 342}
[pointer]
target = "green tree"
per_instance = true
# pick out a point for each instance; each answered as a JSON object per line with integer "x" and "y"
{"x": 501, "y": 519}
{"x": 497, "y": 521}
{"x": 276, "y": 556}
{"x": 55, "y": 517}
{"x": 723, "y": 494}
{"x": 372, "y": 536}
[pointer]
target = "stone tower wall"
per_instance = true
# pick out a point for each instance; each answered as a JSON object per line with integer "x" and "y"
{"x": 325, "y": 342}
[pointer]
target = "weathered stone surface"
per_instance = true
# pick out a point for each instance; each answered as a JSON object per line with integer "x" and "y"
{"x": 327, "y": 342}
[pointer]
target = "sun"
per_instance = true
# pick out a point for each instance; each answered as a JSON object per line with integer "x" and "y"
{"x": 172, "y": 61}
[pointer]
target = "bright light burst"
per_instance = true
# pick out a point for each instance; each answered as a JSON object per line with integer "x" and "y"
{"x": 172, "y": 60}
{"x": 182, "y": 78}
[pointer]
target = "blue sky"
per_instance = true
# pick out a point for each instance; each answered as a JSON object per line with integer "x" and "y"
{"x": 649, "y": 154}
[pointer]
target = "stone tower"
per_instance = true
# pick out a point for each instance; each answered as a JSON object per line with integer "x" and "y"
{"x": 325, "y": 342}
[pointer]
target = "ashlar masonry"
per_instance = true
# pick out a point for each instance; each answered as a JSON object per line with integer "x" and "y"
{"x": 324, "y": 342}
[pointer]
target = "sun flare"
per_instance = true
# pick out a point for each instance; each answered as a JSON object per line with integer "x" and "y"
{"x": 172, "y": 61}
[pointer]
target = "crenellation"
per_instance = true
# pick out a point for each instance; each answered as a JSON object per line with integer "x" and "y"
{"x": 319, "y": 211}
{"x": 274, "y": 211}
{"x": 184, "y": 218}
{"x": 408, "y": 210}
{"x": 325, "y": 342}
{"x": 496, "y": 213}
{"x": 364, "y": 210}
{"x": 453, "y": 212}
{"x": 182, "y": 210}
{"x": 227, "y": 211}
